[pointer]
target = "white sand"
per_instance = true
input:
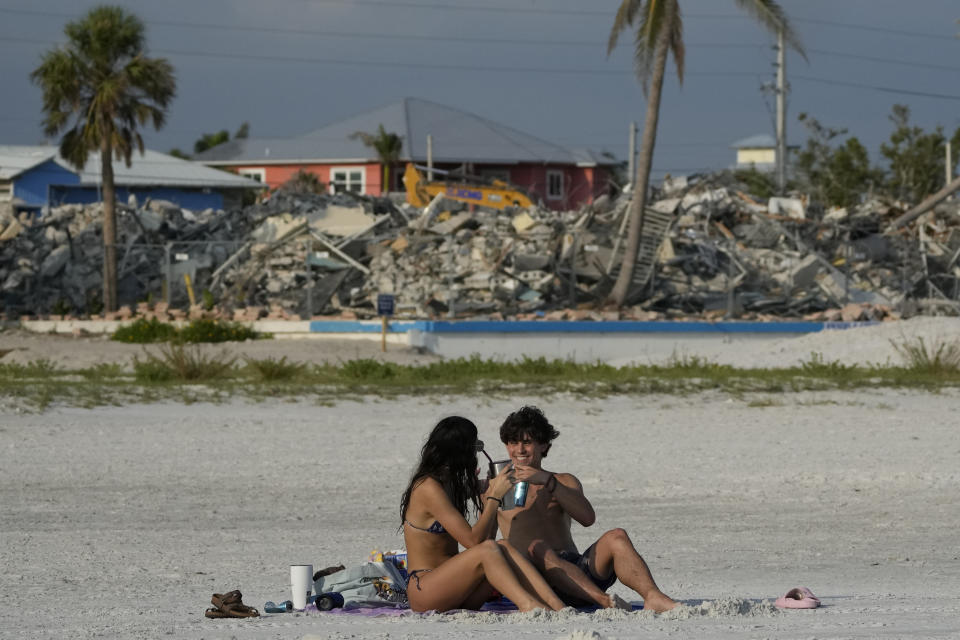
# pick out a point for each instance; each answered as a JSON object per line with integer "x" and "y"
{"x": 864, "y": 345}
{"x": 121, "y": 522}
{"x": 87, "y": 351}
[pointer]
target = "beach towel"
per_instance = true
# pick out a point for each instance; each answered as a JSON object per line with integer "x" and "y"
{"x": 370, "y": 584}
{"x": 501, "y": 606}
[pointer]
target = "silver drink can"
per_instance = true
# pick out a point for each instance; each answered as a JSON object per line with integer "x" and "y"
{"x": 520, "y": 494}
{"x": 498, "y": 466}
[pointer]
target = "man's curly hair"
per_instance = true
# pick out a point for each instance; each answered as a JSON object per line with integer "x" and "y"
{"x": 528, "y": 421}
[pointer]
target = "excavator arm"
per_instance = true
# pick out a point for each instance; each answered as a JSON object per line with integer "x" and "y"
{"x": 497, "y": 195}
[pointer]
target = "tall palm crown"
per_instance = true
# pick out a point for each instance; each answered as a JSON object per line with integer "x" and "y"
{"x": 658, "y": 28}
{"x": 102, "y": 79}
{"x": 102, "y": 76}
{"x": 388, "y": 146}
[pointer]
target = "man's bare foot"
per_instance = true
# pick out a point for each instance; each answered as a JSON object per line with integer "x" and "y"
{"x": 658, "y": 602}
{"x": 616, "y": 602}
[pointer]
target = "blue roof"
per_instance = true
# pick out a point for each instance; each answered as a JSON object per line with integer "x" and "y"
{"x": 458, "y": 136}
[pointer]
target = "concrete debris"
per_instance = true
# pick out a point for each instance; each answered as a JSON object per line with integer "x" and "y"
{"x": 709, "y": 249}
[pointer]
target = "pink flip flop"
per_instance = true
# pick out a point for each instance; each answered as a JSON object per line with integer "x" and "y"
{"x": 798, "y": 598}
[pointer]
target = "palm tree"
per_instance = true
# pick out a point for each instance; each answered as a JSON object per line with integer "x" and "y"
{"x": 103, "y": 79}
{"x": 388, "y": 146}
{"x": 659, "y": 31}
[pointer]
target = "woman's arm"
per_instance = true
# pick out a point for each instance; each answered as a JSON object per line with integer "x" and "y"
{"x": 438, "y": 505}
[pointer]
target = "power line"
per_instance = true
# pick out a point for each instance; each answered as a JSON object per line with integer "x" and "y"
{"x": 547, "y": 70}
{"x": 336, "y": 34}
{"x": 403, "y": 65}
{"x": 863, "y": 27}
{"x": 600, "y": 43}
{"x": 511, "y": 69}
{"x": 905, "y": 63}
{"x": 525, "y": 11}
{"x": 467, "y": 39}
{"x": 406, "y": 4}
{"x": 859, "y": 85}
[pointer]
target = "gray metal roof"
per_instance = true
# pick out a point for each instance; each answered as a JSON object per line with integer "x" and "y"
{"x": 761, "y": 141}
{"x": 152, "y": 169}
{"x": 458, "y": 136}
{"x": 14, "y": 160}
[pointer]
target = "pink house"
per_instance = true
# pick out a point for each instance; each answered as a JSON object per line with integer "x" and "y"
{"x": 559, "y": 177}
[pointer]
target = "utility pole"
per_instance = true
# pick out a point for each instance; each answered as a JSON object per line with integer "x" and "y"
{"x": 632, "y": 157}
{"x": 949, "y": 164}
{"x": 429, "y": 158}
{"x": 781, "y": 113}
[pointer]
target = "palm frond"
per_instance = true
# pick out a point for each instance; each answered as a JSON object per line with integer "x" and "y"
{"x": 676, "y": 40}
{"x": 102, "y": 77}
{"x": 388, "y": 146}
{"x": 626, "y": 14}
{"x": 74, "y": 149}
{"x": 771, "y": 15}
{"x": 657, "y": 15}
{"x": 366, "y": 138}
{"x": 651, "y": 20}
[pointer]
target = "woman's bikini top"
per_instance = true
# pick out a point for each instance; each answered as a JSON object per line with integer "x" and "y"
{"x": 435, "y": 528}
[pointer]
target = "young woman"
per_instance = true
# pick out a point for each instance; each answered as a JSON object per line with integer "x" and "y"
{"x": 433, "y": 513}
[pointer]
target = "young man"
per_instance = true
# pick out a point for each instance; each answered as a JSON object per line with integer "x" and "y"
{"x": 541, "y": 527}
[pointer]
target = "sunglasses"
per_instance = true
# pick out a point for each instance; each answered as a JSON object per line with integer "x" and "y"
{"x": 478, "y": 446}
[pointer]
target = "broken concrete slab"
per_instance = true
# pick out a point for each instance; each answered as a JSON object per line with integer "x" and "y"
{"x": 523, "y": 222}
{"x": 54, "y": 261}
{"x": 337, "y": 220}
{"x": 804, "y": 273}
{"x": 790, "y": 207}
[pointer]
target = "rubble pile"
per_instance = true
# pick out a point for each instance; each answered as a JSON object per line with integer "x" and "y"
{"x": 708, "y": 249}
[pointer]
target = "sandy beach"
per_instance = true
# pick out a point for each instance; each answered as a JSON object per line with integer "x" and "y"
{"x": 122, "y": 521}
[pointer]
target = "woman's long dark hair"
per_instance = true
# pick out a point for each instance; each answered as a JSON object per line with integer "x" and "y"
{"x": 449, "y": 457}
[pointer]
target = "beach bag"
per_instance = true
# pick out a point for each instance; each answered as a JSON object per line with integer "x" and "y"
{"x": 371, "y": 584}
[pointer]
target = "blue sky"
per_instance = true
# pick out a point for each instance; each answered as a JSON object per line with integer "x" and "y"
{"x": 290, "y": 66}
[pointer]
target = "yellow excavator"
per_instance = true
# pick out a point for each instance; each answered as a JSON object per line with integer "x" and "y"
{"x": 497, "y": 194}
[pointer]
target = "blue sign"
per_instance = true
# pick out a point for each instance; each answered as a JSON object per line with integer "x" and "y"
{"x": 385, "y": 304}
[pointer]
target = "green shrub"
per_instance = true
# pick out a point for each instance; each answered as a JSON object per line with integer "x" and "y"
{"x": 818, "y": 368}
{"x": 185, "y": 363}
{"x": 143, "y": 331}
{"x": 941, "y": 356}
{"x": 368, "y": 369}
{"x": 216, "y": 331}
{"x": 103, "y": 371}
{"x": 208, "y": 300}
{"x": 41, "y": 368}
{"x": 154, "y": 370}
{"x": 274, "y": 370}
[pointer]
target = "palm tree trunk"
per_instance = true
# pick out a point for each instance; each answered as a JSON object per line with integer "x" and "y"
{"x": 639, "y": 202}
{"x": 109, "y": 226}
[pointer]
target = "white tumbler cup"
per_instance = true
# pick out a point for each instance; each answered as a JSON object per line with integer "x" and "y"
{"x": 301, "y": 584}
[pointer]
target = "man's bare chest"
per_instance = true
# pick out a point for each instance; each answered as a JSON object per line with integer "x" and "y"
{"x": 541, "y": 511}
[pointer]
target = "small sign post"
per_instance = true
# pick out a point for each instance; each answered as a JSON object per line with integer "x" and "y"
{"x": 385, "y": 304}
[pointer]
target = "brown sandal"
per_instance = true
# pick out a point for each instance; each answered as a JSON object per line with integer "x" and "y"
{"x": 220, "y": 600}
{"x": 230, "y": 605}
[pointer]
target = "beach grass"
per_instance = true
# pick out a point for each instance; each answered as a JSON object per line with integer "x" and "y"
{"x": 188, "y": 374}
